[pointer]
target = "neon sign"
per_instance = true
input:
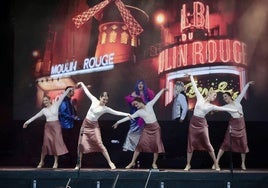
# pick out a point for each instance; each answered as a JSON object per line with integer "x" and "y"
{"x": 199, "y": 18}
{"x": 93, "y": 64}
{"x": 201, "y": 53}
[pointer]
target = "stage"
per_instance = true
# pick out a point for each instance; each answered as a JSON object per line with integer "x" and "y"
{"x": 131, "y": 178}
{"x": 20, "y": 154}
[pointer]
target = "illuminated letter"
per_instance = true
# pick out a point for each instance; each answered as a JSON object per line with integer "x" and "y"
{"x": 182, "y": 55}
{"x": 225, "y": 54}
{"x": 237, "y": 52}
{"x": 211, "y": 51}
{"x": 197, "y": 51}
{"x": 199, "y": 12}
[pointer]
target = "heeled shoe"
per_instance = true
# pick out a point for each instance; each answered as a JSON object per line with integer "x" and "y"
{"x": 112, "y": 166}
{"x": 187, "y": 168}
{"x": 243, "y": 167}
{"x": 213, "y": 167}
{"x": 154, "y": 166}
{"x": 130, "y": 165}
{"x": 55, "y": 165}
{"x": 77, "y": 167}
{"x": 217, "y": 168}
{"x": 40, "y": 165}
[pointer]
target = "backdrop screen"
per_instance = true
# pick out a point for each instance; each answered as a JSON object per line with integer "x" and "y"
{"x": 110, "y": 47}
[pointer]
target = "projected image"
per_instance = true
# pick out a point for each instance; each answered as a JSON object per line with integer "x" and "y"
{"x": 109, "y": 45}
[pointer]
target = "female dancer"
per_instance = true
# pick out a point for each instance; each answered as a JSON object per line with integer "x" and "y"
{"x": 236, "y": 128}
{"x": 198, "y": 136}
{"x": 90, "y": 136}
{"x": 150, "y": 140}
{"x": 53, "y": 143}
{"x": 137, "y": 124}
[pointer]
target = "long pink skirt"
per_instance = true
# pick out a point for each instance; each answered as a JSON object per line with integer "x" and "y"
{"x": 198, "y": 137}
{"x": 238, "y": 141}
{"x": 53, "y": 143}
{"x": 151, "y": 139}
{"x": 90, "y": 137}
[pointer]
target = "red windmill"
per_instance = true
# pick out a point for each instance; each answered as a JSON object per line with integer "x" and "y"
{"x": 114, "y": 35}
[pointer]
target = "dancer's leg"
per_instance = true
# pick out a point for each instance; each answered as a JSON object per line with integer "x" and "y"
{"x": 56, "y": 158}
{"x": 133, "y": 161}
{"x": 154, "y": 165}
{"x": 107, "y": 157}
{"x": 189, "y": 158}
{"x": 212, "y": 155}
{"x": 243, "y": 159}
{"x": 42, "y": 158}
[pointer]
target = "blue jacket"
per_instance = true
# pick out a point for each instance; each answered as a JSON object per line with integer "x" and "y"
{"x": 67, "y": 114}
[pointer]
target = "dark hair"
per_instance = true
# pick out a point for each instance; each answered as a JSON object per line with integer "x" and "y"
{"x": 138, "y": 99}
{"x": 102, "y": 94}
{"x": 68, "y": 87}
{"x": 227, "y": 93}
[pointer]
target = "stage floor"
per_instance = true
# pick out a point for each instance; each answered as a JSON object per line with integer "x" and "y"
{"x": 128, "y": 178}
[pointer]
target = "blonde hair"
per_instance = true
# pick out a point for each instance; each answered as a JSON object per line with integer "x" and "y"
{"x": 211, "y": 91}
{"x": 178, "y": 88}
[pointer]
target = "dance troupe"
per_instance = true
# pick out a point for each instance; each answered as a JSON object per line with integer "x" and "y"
{"x": 144, "y": 133}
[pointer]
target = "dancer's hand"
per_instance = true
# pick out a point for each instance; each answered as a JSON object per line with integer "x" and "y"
{"x": 78, "y": 84}
{"x": 25, "y": 125}
{"x": 115, "y": 125}
{"x": 130, "y": 117}
{"x": 239, "y": 113}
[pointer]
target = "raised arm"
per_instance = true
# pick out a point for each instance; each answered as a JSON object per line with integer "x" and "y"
{"x": 243, "y": 92}
{"x": 87, "y": 92}
{"x": 58, "y": 102}
{"x": 197, "y": 93}
{"x": 157, "y": 96}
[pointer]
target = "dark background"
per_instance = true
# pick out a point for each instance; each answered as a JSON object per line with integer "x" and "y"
{"x": 19, "y": 147}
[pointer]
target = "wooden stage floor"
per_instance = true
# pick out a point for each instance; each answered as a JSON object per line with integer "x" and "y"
{"x": 131, "y": 178}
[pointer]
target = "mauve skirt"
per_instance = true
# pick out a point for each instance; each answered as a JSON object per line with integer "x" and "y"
{"x": 198, "y": 137}
{"x": 151, "y": 139}
{"x": 53, "y": 143}
{"x": 90, "y": 137}
{"x": 238, "y": 141}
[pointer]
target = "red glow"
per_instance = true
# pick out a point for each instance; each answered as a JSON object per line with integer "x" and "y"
{"x": 203, "y": 52}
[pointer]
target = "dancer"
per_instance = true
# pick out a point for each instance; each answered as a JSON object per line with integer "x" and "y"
{"x": 150, "y": 140}
{"x": 235, "y": 139}
{"x": 90, "y": 136}
{"x": 53, "y": 143}
{"x": 180, "y": 103}
{"x": 68, "y": 118}
{"x": 198, "y": 135}
{"x": 137, "y": 124}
